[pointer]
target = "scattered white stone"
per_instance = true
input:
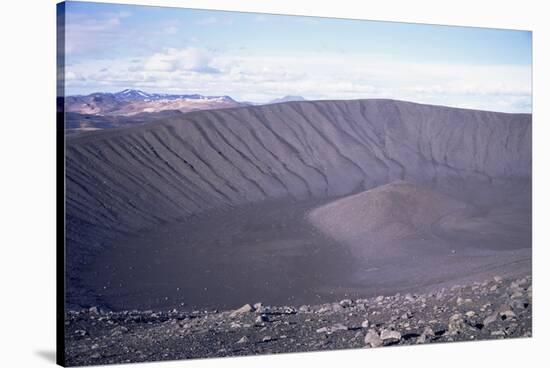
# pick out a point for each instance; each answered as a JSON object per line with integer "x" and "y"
{"x": 243, "y": 340}
{"x": 456, "y": 324}
{"x": 332, "y": 329}
{"x": 406, "y": 315}
{"x": 338, "y": 327}
{"x": 117, "y": 331}
{"x": 372, "y": 339}
{"x": 261, "y": 319}
{"x": 325, "y": 309}
{"x": 426, "y": 335}
{"x": 461, "y": 301}
{"x": 428, "y": 332}
{"x": 507, "y": 314}
{"x": 242, "y": 310}
{"x": 390, "y": 336}
{"x": 517, "y": 295}
{"x": 490, "y": 319}
{"x": 346, "y": 303}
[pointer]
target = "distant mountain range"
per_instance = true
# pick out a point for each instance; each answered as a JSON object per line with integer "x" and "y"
{"x": 131, "y": 102}
{"x": 103, "y": 110}
{"x": 288, "y": 99}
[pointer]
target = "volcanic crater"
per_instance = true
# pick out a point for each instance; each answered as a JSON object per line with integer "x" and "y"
{"x": 295, "y": 203}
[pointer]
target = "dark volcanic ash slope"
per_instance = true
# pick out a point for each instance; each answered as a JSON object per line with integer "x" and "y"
{"x": 128, "y": 181}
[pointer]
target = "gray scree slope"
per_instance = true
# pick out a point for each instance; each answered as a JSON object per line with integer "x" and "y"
{"x": 133, "y": 180}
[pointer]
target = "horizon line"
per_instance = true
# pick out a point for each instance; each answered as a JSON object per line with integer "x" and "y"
{"x": 258, "y": 104}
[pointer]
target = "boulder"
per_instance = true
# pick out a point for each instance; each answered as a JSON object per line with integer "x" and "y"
{"x": 456, "y": 324}
{"x": 372, "y": 339}
{"x": 242, "y": 310}
{"x": 346, "y": 303}
{"x": 390, "y": 337}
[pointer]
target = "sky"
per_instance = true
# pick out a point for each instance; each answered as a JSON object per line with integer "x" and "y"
{"x": 258, "y": 57}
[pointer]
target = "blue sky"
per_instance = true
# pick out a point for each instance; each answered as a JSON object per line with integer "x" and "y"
{"x": 258, "y": 57}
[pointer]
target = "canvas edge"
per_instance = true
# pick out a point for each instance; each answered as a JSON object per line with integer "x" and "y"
{"x": 60, "y": 185}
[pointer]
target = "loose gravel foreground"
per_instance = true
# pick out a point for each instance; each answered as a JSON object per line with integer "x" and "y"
{"x": 494, "y": 309}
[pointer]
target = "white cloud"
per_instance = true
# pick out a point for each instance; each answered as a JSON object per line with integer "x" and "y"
{"x": 72, "y": 76}
{"x": 187, "y": 59}
{"x": 315, "y": 76}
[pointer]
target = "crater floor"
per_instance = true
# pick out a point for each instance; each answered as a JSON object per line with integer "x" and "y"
{"x": 271, "y": 252}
